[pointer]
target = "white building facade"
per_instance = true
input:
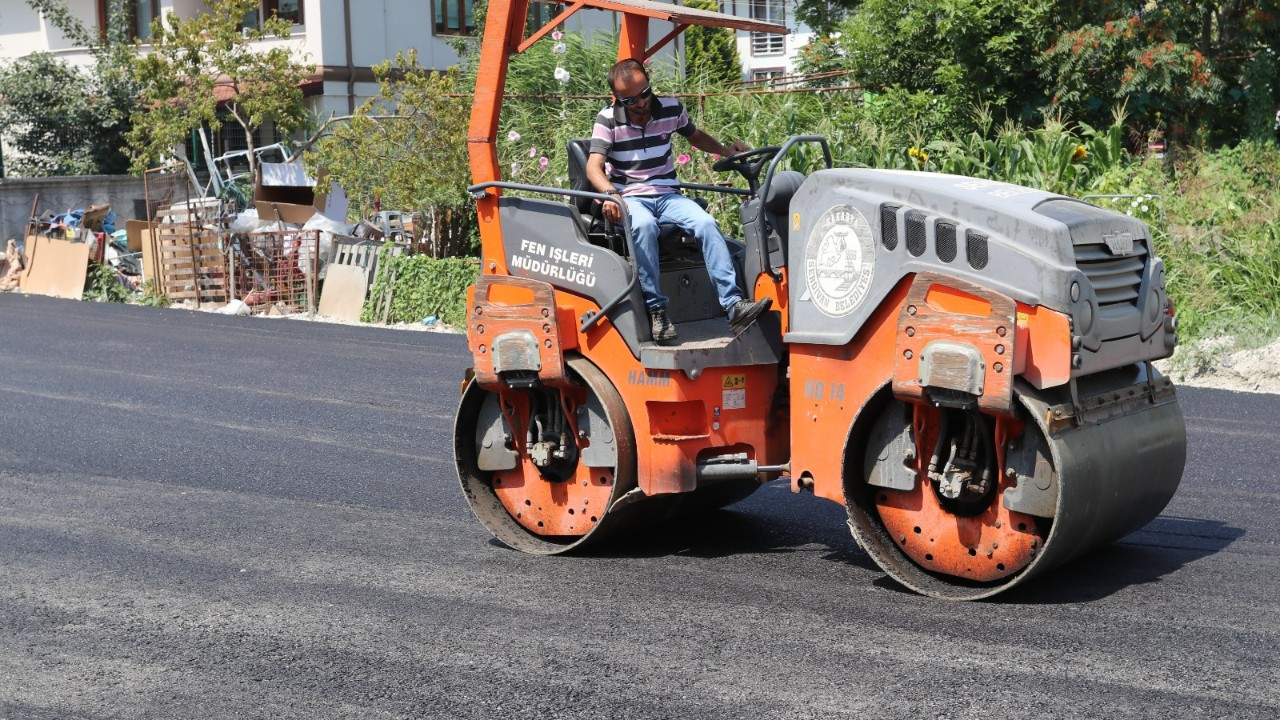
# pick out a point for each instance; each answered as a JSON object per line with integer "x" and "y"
{"x": 344, "y": 39}
{"x": 765, "y": 56}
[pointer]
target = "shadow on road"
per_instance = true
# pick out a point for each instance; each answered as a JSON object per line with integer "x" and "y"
{"x": 773, "y": 521}
{"x": 779, "y": 523}
{"x": 1162, "y": 547}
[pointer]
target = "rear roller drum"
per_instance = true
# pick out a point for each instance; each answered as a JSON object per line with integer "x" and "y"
{"x": 960, "y": 505}
{"x": 541, "y": 467}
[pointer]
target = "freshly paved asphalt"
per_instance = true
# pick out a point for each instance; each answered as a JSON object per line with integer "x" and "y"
{"x": 219, "y": 517}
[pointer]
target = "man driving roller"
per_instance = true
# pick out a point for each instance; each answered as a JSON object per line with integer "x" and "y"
{"x": 634, "y": 136}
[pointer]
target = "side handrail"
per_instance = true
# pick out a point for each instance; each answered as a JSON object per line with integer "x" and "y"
{"x": 590, "y": 318}
{"x": 766, "y": 263}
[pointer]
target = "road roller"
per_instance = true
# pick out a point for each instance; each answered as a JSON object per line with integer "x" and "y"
{"x": 964, "y": 364}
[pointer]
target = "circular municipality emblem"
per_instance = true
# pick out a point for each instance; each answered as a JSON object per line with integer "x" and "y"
{"x": 839, "y": 260}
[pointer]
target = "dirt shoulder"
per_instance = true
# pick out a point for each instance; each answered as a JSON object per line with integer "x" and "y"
{"x": 1211, "y": 363}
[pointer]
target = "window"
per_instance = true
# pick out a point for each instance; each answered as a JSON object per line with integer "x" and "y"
{"x": 765, "y": 76}
{"x": 768, "y": 43}
{"x": 454, "y": 17}
{"x": 290, "y": 10}
{"x": 138, "y": 15}
{"x": 231, "y": 137}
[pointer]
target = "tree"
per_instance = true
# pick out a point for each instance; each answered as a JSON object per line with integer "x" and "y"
{"x": 407, "y": 148}
{"x": 711, "y": 54}
{"x": 951, "y": 54}
{"x": 61, "y": 120}
{"x": 1201, "y": 71}
{"x": 44, "y": 111}
{"x": 1198, "y": 71}
{"x": 823, "y": 16}
{"x": 207, "y": 62}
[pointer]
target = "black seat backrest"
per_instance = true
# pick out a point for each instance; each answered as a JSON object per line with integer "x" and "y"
{"x": 579, "y": 149}
{"x": 765, "y": 222}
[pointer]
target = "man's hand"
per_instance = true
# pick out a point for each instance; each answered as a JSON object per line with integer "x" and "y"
{"x": 612, "y": 212}
{"x": 600, "y": 183}
{"x": 706, "y": 142}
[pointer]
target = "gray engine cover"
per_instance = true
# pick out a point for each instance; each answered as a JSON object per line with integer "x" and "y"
{"x": 1031, "y": 245}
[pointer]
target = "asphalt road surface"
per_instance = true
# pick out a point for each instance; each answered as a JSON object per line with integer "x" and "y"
{"x": 219, "y": 517}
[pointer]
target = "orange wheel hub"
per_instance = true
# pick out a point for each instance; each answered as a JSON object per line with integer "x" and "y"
{"x": 985, "y": 547}
{"x": 567, "y": 507}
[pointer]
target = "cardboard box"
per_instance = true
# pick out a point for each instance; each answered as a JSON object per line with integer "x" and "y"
{"x": 54, "y": 267}
{"x": 283, "y": 191}
{"x": 139, "y": 234}
{"x": 345, "y": 288}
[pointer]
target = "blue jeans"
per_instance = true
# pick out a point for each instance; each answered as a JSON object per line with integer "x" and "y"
{"x": 646, "y": 211}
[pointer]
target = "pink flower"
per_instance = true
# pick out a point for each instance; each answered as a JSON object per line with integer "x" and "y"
{"x": 542, "y": 162}
{"x": 557, "y": 35}
{"x": 682, "y": 158}
{"x": 533, "y": 152}
{"x": 513, "y": 136}
{"x": 715, "y": 157}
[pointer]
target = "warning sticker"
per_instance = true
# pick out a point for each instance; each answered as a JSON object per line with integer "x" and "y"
{"x": 734, "y": 381}
{"x": 734, "y": 399}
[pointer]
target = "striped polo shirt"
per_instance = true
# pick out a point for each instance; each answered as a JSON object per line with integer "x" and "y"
{"x": 638, "y": 159}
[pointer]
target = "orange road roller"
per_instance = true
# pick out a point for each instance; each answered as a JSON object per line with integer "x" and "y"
{"x": 965, "y": 365}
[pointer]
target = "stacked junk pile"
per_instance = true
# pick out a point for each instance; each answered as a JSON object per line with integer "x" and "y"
{"x": 203, "y": 252}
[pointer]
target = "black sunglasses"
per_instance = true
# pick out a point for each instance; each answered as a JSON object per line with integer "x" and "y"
{"x": 646, "y": 92}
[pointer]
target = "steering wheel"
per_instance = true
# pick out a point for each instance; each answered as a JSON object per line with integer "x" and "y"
{"x": 738, "y": 162}
{"x": 743, "y": 164}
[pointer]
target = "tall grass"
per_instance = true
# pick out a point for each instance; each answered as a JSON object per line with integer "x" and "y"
{"x": 1214, "y": 215}
{"x": 1220, "y": 238}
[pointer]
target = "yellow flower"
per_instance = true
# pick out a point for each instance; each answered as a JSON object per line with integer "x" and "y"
{"x": 1079, "y": 154}
{"x": 914, "y": 152}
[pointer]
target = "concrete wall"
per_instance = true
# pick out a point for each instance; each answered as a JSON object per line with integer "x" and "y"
{"x": 123, "y": 192}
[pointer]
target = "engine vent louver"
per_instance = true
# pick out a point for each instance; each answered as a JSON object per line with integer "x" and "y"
{"x": 945, "y": 234}
{"x": 889, "y": 226}
{"x": 917, "y": 242}
{"x": 1116, "y": 280}
{"x": 975, "y": 249}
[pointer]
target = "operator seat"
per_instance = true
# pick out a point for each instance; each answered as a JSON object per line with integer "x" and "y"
{"x": 776, "y": 208}
{"x": 672, "y": 241}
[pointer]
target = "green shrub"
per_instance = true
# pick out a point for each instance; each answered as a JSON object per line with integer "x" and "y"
{"x": 420, "y": 286}
{"x": 151, "y": 295}
{"x": 1218, "y": 231}
{"x": 103, "y": 284}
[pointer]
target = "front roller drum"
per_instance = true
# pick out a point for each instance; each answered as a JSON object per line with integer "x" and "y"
{"x": 554, "y": 505}
{"x": 961, "y": 505}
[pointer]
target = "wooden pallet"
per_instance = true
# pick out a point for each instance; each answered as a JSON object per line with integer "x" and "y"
{"x": 191, "y": 212}
{"x": 362, "y": 253}
{"x": 190, "y": 264}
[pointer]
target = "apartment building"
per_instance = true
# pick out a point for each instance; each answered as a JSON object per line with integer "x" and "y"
{"x": 344, "y": 39}
{"x": 764, "y": 55}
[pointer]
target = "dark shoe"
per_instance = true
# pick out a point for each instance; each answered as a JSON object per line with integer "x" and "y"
{"x": 660, "y": 325}
{"x": 745, "y": 312}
